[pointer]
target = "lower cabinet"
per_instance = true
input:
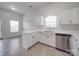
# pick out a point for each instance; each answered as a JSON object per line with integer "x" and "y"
{"x": 24, "y": 40}
{"x": 75, "y": 45}
{"x": 28, "y": 39}
{"x": 76, "y": 52}
{"x": 47, "y": 37}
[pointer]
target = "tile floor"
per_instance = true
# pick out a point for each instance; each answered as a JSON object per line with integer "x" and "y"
{"x": 13, "y": 47}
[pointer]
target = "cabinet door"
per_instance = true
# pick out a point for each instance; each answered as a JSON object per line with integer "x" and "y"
{"x": 73, "y": 16}
{"x": 75, "y": 45}
{"x": 24, "y": 40}
{"x": 0, "y": 28}
{"x": 77, "y": 16}
{"x": 64, "y": 18}
{"x": 59, "y": 19}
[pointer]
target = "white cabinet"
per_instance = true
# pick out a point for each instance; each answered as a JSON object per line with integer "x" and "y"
{"x": 75, "y": 45}
{"x": 0, "y": 29}
{"x": 70, "y": 16}
{"x": 47, "y": 37}
{"x": 25, "y": 40}
{"x": 73, "y": 16}
{"x": 28, "y": 39}
{"x": 64, "y": 17}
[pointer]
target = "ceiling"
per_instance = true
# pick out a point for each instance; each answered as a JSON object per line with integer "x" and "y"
{"x": 21, "y": 7}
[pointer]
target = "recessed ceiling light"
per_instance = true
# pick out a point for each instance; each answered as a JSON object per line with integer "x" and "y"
{"x": 13, "y": 8}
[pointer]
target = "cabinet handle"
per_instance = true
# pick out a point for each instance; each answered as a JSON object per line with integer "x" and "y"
{"x": 70, "y": 21}
{"x": 75, "y": 39}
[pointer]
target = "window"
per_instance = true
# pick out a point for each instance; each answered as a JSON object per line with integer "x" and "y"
{"x": 50, "y": 21}
{"x": 14, "y": 26}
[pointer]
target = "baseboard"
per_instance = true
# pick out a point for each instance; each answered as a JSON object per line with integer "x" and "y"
{"x": 46, "y": 44}
{"x": 32, "y": 45}
{"x": 40, "y": 43}
{"x": 11, "y": 37}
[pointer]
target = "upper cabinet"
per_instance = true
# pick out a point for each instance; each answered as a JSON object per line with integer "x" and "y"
{"x": 69, "y": 16}
{"x": 64, "y": 17}
{"x": 73, "y": 16}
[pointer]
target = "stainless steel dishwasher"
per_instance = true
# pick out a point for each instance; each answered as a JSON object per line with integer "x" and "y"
{"x": 62, "y": 42}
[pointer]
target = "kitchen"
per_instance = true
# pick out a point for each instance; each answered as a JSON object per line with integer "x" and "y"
{"x": 65, "y": 27}
{"x": 44, "y": 28}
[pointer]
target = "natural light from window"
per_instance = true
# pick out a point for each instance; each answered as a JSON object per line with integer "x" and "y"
{"x": 50, "y": 21}
{"x": 14, "y": 26}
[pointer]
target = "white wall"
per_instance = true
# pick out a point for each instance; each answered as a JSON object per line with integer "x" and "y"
{"x": 5, "y": 17}
{"x": 48, "y": 10}
{"x": 29, "y": 21}
{"x": 55, "y": 9}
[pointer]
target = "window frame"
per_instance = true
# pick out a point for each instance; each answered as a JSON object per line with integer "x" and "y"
{"x": 51, "y": 22}
{"x": 17, "y": 26}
